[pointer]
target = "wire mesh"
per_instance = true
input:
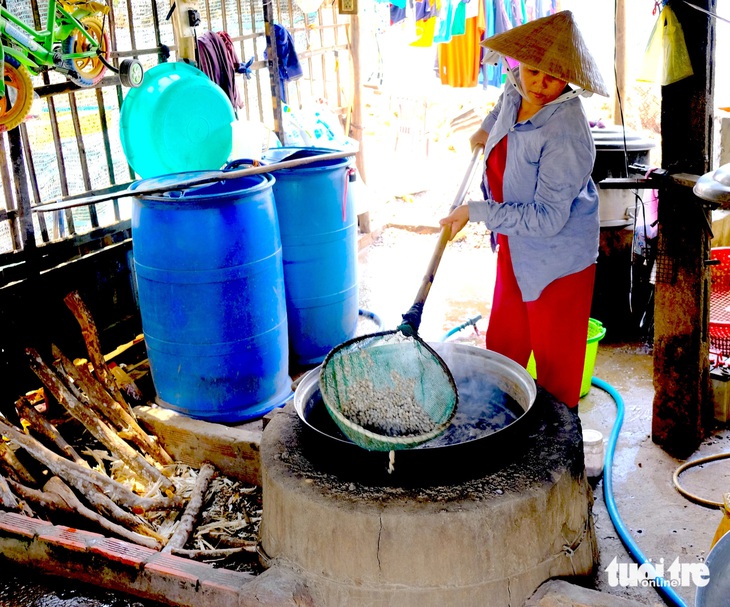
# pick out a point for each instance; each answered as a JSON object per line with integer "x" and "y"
{"x": 388, "y": 391}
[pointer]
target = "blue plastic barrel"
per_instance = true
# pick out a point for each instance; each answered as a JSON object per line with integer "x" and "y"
{"x": 208, "y": 262}
{"x": 319, "y": 241}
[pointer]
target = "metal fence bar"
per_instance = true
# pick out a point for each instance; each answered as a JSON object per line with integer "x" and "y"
{"x": 107, "y": 147}
{"x": 224, "y": 17}
{"x": 242, "y": 57}
{"x": 20, "y": 190}
{"x": 81, "y": 148}
{"x": 158, "y": 36}
{"x": 257, "y": 34}
{"x": 338, "y": 64}
{"x": 10, "y": 205}
{"x": 324, "y": 57}
{"x": 60, "y": 162}
{"x": 130, "y": 21}
{"x": 33, "y": 178}
{"x": 208, "y": 17}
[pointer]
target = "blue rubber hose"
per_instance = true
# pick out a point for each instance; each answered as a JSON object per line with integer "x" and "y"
{"x": 662, "y": 586}
{"x": 371, "y": 316}
{"x": 472, "y": 322}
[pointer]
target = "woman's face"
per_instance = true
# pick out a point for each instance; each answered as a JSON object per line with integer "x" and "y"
{"x": 540, "y": 88}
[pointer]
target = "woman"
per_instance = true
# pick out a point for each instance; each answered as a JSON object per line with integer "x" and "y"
{"x": 540, "y": 202}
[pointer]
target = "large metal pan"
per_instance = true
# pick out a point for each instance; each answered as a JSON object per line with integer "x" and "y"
{"x": 494, "y": 417}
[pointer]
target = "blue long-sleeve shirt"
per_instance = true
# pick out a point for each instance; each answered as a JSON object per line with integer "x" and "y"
{"x": 550, "y": 208}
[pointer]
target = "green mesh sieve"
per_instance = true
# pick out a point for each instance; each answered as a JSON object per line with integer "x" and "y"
{"x": 388, "y": 391}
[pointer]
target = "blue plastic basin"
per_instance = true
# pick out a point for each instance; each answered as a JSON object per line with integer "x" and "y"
{"x": 178, "y": 120}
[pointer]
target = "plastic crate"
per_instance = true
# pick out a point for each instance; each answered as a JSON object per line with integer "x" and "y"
{"x": 719, "y": 325}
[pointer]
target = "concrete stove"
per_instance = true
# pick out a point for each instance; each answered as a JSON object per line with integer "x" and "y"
{"x": 491, "y": 540}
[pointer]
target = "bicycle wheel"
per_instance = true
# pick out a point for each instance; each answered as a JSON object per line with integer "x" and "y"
{"x": 15, "y": 105}
{"x": 90, "y": 69}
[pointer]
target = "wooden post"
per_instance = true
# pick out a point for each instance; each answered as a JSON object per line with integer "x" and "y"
{"x": 20, "y": 190}
{"x": 356, "y": 127}
{"x": 683, "y": 398}
{"x": 620, "y": 43}
{"x": 182, "y": 30}
{"x": 273, "y": 62}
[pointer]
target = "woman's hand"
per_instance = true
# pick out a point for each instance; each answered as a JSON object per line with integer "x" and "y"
{"x": 478, "y": 138}
{"x": 456, "y": 220}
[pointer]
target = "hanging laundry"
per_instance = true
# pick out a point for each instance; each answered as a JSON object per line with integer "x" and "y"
{"x": 458, "y": 60}
{"x": 516, "y": 12}
{"x": 426, "y": 17}
{"x": 218, "y": 60}
{"x": 425, "y": 9}
{"x": 405, "y": 19}
{"x": 458, "y": 24}
{"x": 424, "y": 32}
{"x": 289, "y": 66}
{"x": 503, "y": 22}
{"x": 492, "y": 74}
{"x": 445, "y": 20}
{"x": 397, "y": 13}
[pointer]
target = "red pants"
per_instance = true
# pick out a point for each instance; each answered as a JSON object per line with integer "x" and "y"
{"x": 554, "y": 326}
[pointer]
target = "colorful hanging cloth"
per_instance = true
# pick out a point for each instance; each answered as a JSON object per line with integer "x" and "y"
{"x": 218, "y": 60}
{"x": 458, "y": 61}
{"x": 289, "y": 66}
{"x": 458, "y": 24}
{"x": 445, "y": 20}
{"x": 424, "y": 32}
{"x": 425, "y": 9}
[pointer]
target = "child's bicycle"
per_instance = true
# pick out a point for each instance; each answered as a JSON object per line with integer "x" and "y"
{"x": 74, "y": 43}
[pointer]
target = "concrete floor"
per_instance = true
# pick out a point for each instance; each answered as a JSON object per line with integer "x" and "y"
{"x": 664, "y": 524}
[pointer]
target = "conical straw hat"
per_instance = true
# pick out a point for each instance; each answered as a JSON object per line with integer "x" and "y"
{"x": 552, "y": 45}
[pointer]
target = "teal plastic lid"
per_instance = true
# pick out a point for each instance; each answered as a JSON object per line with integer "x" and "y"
{"x": 178, "y": 120}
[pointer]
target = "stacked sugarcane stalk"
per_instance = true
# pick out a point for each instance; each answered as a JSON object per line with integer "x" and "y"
{"x": 128, "y": 486}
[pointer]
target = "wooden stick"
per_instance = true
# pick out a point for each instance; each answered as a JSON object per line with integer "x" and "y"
{"x": 82, "y": 479}
{"x": 217, "y": 553}
{"x": 91, "y": 338}
{"x": 7, "y": 498}
{"x": 105, "y": 506}
{"x": 187, "y": 521}
{"x": 57, "y": 496}
{"x": 125, "y": 382}
{"x": 57, "y": 486}
{"x": 45, "y": 428}
{"x": 112, "y": 410}
{"x": 9, "y": 501}
{"x": 98, "y": 428}
{"x": 13, "y": 465}
{"x": 228, "y": 541}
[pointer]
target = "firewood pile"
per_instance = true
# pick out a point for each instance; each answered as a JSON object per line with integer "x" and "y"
{"x": 114, "y": 474}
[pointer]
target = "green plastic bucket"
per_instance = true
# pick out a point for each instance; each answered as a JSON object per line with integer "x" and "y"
{"x": 596, "y": 332}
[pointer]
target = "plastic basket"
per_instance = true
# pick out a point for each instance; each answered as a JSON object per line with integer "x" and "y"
{"x": 719, "y": 325}
{"x": 596, "y": 332}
